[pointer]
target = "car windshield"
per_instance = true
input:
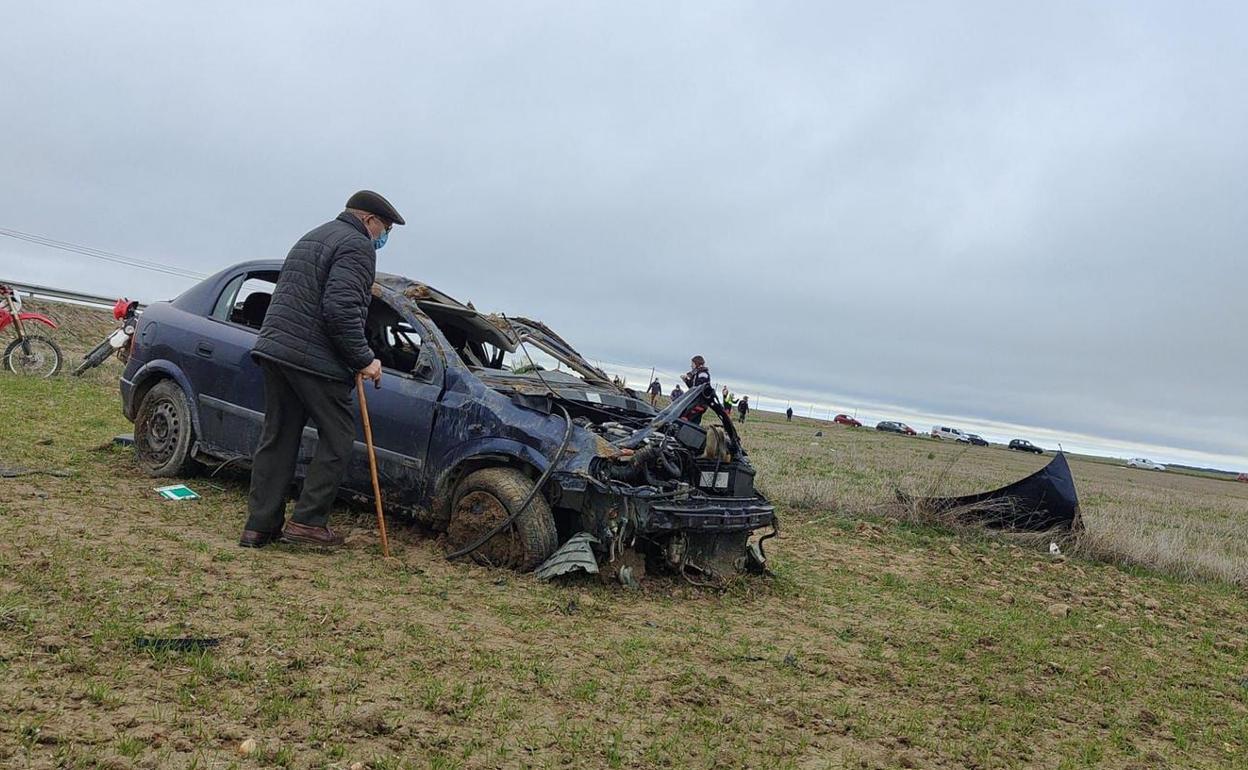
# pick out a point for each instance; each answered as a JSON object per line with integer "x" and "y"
{"x": 510, "y": 345}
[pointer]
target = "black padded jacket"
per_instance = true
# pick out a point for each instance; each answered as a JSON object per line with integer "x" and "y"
{"x": 315, "y": 321}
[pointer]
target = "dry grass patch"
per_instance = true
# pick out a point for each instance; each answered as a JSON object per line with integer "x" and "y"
{"x": 876, "y": 644}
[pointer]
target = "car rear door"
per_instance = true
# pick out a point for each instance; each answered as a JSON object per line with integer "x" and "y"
{"x": 230, "y": 383}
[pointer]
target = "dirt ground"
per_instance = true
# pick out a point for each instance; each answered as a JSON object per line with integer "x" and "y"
{"x": 876, "y": 644}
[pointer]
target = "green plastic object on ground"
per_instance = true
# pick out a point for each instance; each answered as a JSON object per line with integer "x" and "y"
{"x": 176, "y": 492}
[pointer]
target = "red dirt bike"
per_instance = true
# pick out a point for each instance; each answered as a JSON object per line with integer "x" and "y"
{"x": 118, "y": 342}
{"x": 29, "y": 354}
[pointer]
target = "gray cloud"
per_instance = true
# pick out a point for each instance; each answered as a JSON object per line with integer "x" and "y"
{"x": 1029, "y": 216}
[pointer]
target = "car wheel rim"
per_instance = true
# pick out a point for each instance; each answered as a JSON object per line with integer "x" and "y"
{"x": 475, "y": 514}
{"x": 163, "y": 429}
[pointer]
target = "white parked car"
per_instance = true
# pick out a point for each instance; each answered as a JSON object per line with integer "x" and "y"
{"x": 940, "y": 431}
{"x": 1149, "y": 465}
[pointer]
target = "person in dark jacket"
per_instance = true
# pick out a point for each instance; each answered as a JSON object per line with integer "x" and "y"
{"x": 655, "y": 390}
{"x": 697, "y": 375}
{"x": 743, "y": 407}
{"x": 310, "y": 348}
{"x": 788, "y": 414}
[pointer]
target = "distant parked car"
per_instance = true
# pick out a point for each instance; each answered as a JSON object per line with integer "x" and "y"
{"x": 953, "y": 434}
{"x": 976, "y": 439}
{"x": 1242, "y": 477}
{"x": 1023, "y": 445}
{"x": 891, "y": 426}
{"x": 1148, "y": 465}
{"x": 844, "y": 419}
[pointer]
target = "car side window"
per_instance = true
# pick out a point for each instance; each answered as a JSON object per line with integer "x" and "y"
{"x": 245, "y": 299}
{"x": 397, "y": 343}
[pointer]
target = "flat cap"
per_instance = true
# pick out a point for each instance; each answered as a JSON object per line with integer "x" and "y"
{"x": 367, "y": 200}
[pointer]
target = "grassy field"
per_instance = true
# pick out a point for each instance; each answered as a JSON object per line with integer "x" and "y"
{"x": 877, "y": 643}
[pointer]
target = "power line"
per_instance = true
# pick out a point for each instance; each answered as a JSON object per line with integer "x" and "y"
{"x": 107, "y": 256}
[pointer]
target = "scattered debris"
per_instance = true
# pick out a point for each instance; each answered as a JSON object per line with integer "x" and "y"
{"x": 1042, "y": 501}
{"x": 576, "y": 554}
{"x": 176, "y": 644}
{"x": 176, "y": 492}
{"x": 1054, "y": 550}
{"x": 627, "y": 578}
{"x": 125, "y": 439}
{"x": 248, "y": 747}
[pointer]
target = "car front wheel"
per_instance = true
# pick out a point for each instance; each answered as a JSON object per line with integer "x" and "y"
{"x": 483, "y": 500}
{"x": 163, "y": 433}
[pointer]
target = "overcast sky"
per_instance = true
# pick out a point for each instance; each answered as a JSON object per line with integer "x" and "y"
{"x": 1026, "y": 216}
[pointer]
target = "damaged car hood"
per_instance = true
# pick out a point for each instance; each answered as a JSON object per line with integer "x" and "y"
{"x": 566, "y": 387}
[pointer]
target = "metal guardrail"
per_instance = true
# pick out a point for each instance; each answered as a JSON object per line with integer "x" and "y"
{"x": 48, "y": 292}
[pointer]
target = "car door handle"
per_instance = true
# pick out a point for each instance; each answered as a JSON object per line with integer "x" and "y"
{"x": 204, "y": 349}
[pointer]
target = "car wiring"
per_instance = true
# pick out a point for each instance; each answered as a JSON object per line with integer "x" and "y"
{"x": 524, "y": 506}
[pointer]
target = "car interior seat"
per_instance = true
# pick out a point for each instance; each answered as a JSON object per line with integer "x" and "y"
{"x": 254, "y": 309}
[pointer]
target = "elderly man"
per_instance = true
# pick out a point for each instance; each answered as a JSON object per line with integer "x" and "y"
{"x": 311, "y": 346}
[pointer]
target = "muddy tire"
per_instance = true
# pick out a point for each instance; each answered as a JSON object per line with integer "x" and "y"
{"x": 163, "y": 432}
{"x": 483, "y": 500}
{"x": 44, "y": 360}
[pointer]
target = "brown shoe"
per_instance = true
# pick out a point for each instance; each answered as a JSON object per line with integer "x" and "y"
{"x": 254, "y": 539}
{"x": 302, "y": 534}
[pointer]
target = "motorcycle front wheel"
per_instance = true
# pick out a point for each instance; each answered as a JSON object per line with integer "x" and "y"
{"x": 41, "y": 358}
{"x": 94, "y": 358}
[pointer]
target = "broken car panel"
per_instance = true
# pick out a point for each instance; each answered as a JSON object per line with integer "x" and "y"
{"x": 471, "y": 410}
{"x": 1040, "y": 502}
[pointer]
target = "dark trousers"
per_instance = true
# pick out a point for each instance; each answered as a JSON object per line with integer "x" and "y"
{"x": 290, "y": 398}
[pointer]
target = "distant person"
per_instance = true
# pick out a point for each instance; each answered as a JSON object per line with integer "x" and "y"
{"x": 655, "y": 390}
{"x": 743, "y": 407}
{"x": 677, "y": 392}
{"x": 697, "y": 375}
{"x": 618, "y": 382}
{"x": 788, "y": 414}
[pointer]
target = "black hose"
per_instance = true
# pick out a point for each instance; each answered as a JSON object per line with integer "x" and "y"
{"x": 567, "y": 435}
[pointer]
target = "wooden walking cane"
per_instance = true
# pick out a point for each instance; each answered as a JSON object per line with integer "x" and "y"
{"x": 372, "y": 463}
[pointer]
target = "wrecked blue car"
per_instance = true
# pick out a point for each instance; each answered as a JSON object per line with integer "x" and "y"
{"x": 490, "y": 429}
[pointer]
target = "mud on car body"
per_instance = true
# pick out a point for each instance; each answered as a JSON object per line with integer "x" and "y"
{"x": 475, "y": 412}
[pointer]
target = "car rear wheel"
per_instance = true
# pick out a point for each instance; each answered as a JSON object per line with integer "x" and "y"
{"x": 163, "y": 433}
{"x": 483, "y": 500}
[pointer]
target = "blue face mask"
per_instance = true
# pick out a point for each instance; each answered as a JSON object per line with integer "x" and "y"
{"x": 380, "y": 240}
